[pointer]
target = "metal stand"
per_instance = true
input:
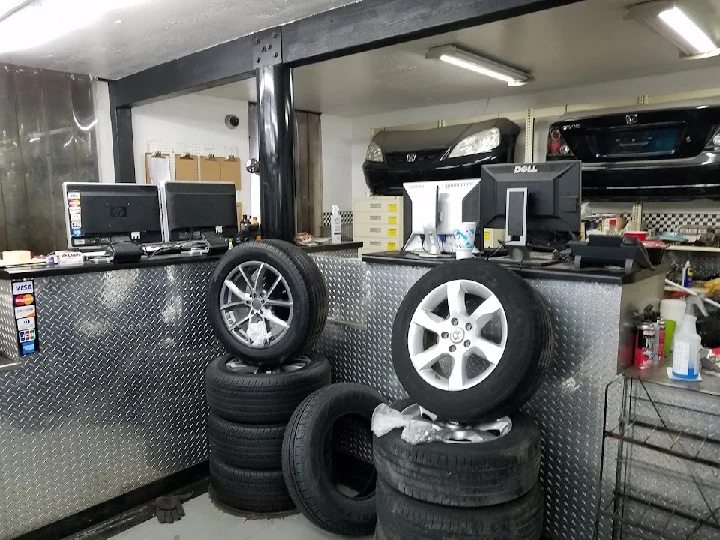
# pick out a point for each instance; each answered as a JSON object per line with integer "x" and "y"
{"x": 277, "y": 151}
{"x": 667, "y": 467}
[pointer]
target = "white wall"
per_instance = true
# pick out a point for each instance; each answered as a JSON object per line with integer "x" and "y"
{"x": 336, "y": 134}
{"x": 103, "y": 133}
{"x": 689, "y": 81}
{"x": 193, "y": 119}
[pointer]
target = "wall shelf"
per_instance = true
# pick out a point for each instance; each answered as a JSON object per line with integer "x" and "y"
{"x": 702, "y": 249}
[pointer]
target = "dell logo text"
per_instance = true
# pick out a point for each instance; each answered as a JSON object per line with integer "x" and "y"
{"x": 525, "y": 169}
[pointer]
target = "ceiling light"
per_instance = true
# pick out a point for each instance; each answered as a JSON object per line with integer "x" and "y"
{"x": 676, "y": 25}
{"x": 38, "y": 22}
{"x": 676, "y": 19}
{"x": 462, "y": 58}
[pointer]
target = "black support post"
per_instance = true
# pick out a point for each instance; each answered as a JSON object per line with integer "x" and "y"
{"x": 276, "y": 122}
{"x": 121, "y": 118}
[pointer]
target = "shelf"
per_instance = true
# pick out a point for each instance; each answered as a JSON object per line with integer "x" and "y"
{"x": 698, "y": 290}
{"x": 694, "y": 248}
{"x": 709, "y": 385}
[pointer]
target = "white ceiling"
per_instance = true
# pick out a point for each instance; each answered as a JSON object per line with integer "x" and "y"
{"x": 156, "y": 31}
{"x": 577, "y": 44}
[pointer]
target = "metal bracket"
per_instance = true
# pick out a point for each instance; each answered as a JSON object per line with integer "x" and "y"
{"x": 267, "y": 48}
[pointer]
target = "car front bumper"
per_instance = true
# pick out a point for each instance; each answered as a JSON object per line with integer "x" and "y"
{"x": 385, "y": 180}
{"x": 669, "y": 180}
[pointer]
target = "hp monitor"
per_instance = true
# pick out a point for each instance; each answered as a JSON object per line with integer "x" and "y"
{"x": 195, "y": 210}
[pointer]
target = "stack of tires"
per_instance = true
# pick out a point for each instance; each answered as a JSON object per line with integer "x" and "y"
{"x": 471, "y": 342}
{"x": 267, "y": 303}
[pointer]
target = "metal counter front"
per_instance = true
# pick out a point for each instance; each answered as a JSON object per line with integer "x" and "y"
{"x": 114, "y": 398}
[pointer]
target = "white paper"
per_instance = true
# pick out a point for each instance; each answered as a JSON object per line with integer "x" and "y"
{"x": 159, "y": 169}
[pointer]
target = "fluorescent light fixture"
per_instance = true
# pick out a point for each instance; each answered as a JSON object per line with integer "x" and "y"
{"x": 38, "y": 22}
{"x": 456, "y": 56}
{"x": 676, "y": 19}
{"x": 676, "y": 25}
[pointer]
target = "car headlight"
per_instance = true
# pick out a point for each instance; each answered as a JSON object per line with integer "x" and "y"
{"x": 374, "y": 153}
{"x": 479, "y": 143}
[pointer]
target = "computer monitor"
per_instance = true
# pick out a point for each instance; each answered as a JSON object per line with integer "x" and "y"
{"x": 531, "y": 198}
{"x": 194, "y": 210}
{"x": 98, "y": 215}
{"x": 444, "y": 206}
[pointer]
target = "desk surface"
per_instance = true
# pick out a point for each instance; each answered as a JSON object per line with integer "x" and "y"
{"x": 559, "y": 271}
{"x": 42, "y": 270}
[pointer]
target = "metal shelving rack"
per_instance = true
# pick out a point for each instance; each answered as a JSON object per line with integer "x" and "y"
{"x": 664, "y": 452}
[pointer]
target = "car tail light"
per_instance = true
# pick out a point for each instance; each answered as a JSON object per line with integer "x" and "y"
{"x": 714, "y": 141}
{"x": 557, "y": 145}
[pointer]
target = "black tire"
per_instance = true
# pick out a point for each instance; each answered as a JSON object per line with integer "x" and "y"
{"x": 250, "y": 491}
{"x": 316, "y": 286}
{"x": 379, "y": 533}
{"x": 295, "y": 340}
{"x": 462, "y": 475}
{"x": 305, "y": 465}
{"x": 520, "y": 365}
{"x": 404, "y": 518}
{"x": 246, "y": 446}
{"x": 262, "y": 398}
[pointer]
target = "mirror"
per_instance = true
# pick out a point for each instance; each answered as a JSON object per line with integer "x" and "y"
{"x": 253, "y": 166}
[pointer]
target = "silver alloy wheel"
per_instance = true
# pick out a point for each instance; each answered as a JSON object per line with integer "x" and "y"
{"x": 256, "y": 304}
{"x": 238, "y": 366}
{"x": 457, "y": 338}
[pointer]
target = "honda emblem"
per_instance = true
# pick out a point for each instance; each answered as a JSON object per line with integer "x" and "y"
{"x": 411, "y": 158}
{"x": 631, "y": 119}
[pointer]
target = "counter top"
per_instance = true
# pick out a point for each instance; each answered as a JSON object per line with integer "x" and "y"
{"x": 558, "y": 271}
{"x": 41, "y": 270}
{"x": 709, "y": 385}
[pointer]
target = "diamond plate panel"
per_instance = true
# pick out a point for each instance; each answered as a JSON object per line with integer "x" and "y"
{"x": 348, "y": 292}
{"x": 115, "y": 398}
{"x": 8, "y": 341}
{"x": 568, "y": 406}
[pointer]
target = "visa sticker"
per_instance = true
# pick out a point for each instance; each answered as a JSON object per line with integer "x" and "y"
{"x": 74, "y": 195}
{"x": 22, "y": 287}
{"x": 24, "y": 312}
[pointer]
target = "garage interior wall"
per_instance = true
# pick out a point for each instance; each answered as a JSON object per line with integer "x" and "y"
{"x": 611, "y": 94}
{"x": 192, "y": 119}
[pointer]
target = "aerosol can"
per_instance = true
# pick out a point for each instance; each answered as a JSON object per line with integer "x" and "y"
{"x": 686, "y": 352}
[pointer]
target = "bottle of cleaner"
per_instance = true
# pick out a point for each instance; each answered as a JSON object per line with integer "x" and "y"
{"x": 336, "y": 225}
{"x": 686, "y": 351}
{"x": 687, "y": 275}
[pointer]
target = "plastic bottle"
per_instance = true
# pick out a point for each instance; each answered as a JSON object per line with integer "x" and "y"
{"x": 686, "y": 353}
{"x": 336, "y": 225}
{"x": 687, "y": 275}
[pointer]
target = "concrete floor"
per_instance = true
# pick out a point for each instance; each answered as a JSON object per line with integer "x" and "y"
{"x": 203, "y": 520}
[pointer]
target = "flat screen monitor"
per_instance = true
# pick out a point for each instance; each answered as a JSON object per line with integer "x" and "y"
{"x": 191, "y": 209}
{"x": 452, "y": 201}
{"x": 531, "y": 198}
{"x": 98, "y": 215}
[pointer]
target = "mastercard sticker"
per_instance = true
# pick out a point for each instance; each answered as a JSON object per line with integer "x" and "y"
{"x": 24, "y": 300}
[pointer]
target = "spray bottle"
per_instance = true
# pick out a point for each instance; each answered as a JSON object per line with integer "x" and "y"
{"x": 686, "y": 352}
{"x": 336, "y": 225}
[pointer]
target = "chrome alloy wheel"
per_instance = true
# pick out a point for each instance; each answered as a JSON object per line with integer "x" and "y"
{"x": 256, "y": 304}
{"x": 457, "y": 335}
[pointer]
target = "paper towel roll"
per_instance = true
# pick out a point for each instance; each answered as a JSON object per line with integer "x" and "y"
{"x": 16, "y": 257}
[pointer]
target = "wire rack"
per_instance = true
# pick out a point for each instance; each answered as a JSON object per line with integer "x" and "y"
{"x": 664, "y": 452}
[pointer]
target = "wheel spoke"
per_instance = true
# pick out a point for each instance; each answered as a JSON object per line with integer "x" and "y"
{"x": 278, "y": 303}
{"x": 245, "y": 297}
{"x": 244, "y": 275}
{"x": 485, "y": 312}
{"x": 458, "y": 376}
{"x": 428, "y": 358}
{"x": 428, "y": 320}
{"x": 491, "y": 351}
{"x": 259, "y": 279}
{"x": 272, "y": 288}
{"x": 239, "y": 323}
{"x": 231, "y": 305}
{"x": 456, "y": 299}
{"x": 270, "y": 316}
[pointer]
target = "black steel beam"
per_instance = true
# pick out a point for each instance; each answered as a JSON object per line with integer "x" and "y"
{"x": 353, "y": 28}
{"x": 371, "y": 24}
{"x": 123, "y": 154}
{"x": 226, "y": 63}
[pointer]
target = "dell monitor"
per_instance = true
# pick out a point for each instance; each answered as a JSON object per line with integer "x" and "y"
{"x": 198, "y": 210}
{"x": 434, "y": 210}
{"x": 99, "y": 215}
{"x": 530, "y": 198}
